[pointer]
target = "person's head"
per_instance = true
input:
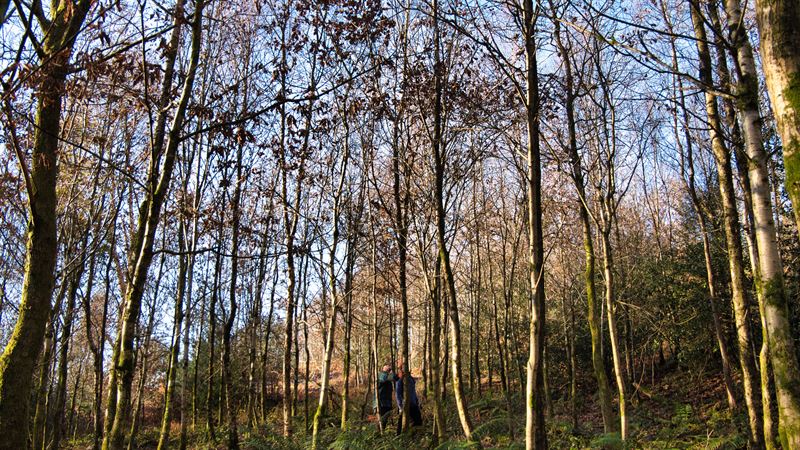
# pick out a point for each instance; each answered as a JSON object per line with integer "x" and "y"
{"x": 401, "y": 373}
{"x": 387, "y": 368}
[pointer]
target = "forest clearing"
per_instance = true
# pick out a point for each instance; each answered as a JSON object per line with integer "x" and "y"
{"x": 400, "y": 224}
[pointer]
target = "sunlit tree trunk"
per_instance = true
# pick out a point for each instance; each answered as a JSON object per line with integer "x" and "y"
{"x": 18, "y": 361}
{"x": 593, "y": 314}
{"x": 778, "y": 24}
{"x": 149, "y": 214}
{"x": 611, "y": 314}
{"x": 436, "y": 375}
{"x": 335, "y": 297}
{"x": 142, "y": 353}
{"x": 440, "y": 162}
{"x": 348, "y": 328}
{"x": 535, "y": 432}
{"x": 163, "y": 438}
{"x": 779, "y": 35}
{"x": 722, "y": 157}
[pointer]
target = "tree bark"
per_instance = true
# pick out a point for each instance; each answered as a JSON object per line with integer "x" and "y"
{"x": 163, "y": 439}
{"x": 535, "y": 432}
{"x": 779, "y": 35}
{"x": 18, "y": 361}
{"x": 781, "y": 62}
{"x": 593, "y": 314}
{"x": 149, "y": 214}
{"x": 230, "y": 402}
{"x": 332, "y": 281}
{"x": 440, "y": 162}
{"x": 722, "y": 157}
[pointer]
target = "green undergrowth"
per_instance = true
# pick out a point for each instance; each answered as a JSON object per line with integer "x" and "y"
{"x": 682, "y": 411}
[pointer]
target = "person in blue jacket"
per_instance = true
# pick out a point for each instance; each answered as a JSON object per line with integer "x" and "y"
{"x": 415, "y": 415}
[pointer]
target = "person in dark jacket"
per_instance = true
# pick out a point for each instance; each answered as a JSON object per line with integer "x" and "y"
{"x": 415, "y": 414}
{"x": 385, "y": 381}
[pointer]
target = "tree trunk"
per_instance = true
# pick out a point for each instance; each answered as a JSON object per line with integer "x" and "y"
{"x": 444, "y": 253}
{"x": 722, "y": 158}
{"x": 779, "y": 35}
{"x": 781, "y": 62}
{"x": 98, "y": 348}
{"x": 348, "y": 321}
{"x": 63, "y": 356}
{"x": 18, "y": 361}
{"x": 436, "y": 324}
{"x": 267, "y": 333}
{"x": 335, "y": 298}
{"x": 498, "y": 340}
{"x": 230, "y": 402}
{"x": 478, "y": 296}
{"x": 187, "y": 328}
{"x": 40, "y": 413}
{"x": 149, "y": 214}
{"x": 163, "y": 438}
{"x": 212, "y": 331}
{"x": 593, "y": 314}
{"x": 535, "y": 432}
{"x": 611, "y": 310}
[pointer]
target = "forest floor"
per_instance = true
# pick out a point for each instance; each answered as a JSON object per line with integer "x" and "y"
{"x": 684, "y": 409}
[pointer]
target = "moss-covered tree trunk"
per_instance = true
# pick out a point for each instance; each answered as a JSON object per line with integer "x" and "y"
{"x": 593, "y": 312}
{"x": 444, "y": 253}
{"x": 18, "y": 362}
{"x": 143, "y": 352}
{"x": 335, "y": 298}
{"x": 163, "y": 438}
{"x": 348, "y": 334}
{"x": 535, "y": 432}
{"x": 779, "y": 31}
{"x": 766, "y": 260}
{"x": 722, "y": 158}
{"x": 149, "y": 215}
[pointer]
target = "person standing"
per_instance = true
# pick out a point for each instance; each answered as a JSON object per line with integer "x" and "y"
{"x": 414, "y": 412}
{"x": 385, "y": 380}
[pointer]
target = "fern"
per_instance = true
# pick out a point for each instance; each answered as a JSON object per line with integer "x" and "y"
{"x": 496, "y": 425}
{"x": 683, "y": 414}
{"x": 609, "y": 441}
